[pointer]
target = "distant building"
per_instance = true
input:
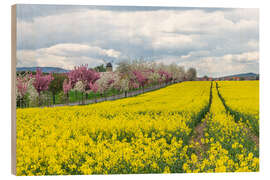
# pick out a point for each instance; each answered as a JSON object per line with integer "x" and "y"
{"x": 236, "y": 78}
{"x": 204, "y": 79}
{"x": 109, "y": 67}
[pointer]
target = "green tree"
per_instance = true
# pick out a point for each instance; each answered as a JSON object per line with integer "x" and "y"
{"x": 56, "y": 85}
{"x": 100, "y": 68}
{"x": 191, "y": 74}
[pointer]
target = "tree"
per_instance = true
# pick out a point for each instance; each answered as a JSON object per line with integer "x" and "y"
{"x": 205, "y": 76}
{"x": 21, "y": 87}
{"x": 173, "y": 70}
{"x": 94, "y": 89}
{"x": 180, "y": 73}
{"x": 164, "y": 76}
{"x": 257, "y": 77}
{"x": 106, "y": 82}
{"x": 41, "y": 82}
{"x": 141, "y": 78}
{"x": 154, "y": 77}
{"x": 23, "y": 82}
{"x": 66, "y": 88}
{"x": 122, "y": 84}
{"x": 191, "y": 74}
{"x": 56, "y": 84}
{"x": 100, "y": 68}
{"x": 123, "y": 67}
{"x": 32, "y": 92}
{"x": 83, "y": 74}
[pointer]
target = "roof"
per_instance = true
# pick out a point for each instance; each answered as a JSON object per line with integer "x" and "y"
{"x": 109, "y": 65}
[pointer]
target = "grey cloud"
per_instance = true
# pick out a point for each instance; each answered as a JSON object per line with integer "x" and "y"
{"x": 28, "y": 12}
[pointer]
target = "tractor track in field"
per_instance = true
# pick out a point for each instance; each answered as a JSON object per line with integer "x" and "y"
{"x": 198, "y": 132}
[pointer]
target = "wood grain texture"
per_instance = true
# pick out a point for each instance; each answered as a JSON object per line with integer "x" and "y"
{"x": 13, "y": 91}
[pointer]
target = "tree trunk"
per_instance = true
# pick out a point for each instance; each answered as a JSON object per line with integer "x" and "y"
{"x": 53, "y": 98}
{"x": 76, "y": 96}
{"x": 67, "y": 98}
{"x": 82, "y": 98}
{"x": 95, "y": 98}
{"x": 39, "y": 100}
{"x": 86, "y": 97}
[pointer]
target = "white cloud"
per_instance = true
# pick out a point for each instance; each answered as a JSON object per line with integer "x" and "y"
{"x": 248, "y": 56}
{"x": 65, "y": 55}
{"x": 69, "y": 49}
{"x": 216, "y": 65}
{"x": 227, "y": 64}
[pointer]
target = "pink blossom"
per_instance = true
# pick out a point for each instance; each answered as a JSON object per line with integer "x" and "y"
{"x": 84, "y": 74}
{"x": 134, "y": 85}
{"x": 141, "y": 78}
{"x": 93, "y": 87}
{"x": 41, "y": 82}
{"x": 165, "y": 75}
{"x": 66, "y": 86}
{"x": 22, "y": 86}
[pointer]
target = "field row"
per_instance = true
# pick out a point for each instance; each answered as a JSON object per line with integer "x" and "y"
{"x": 226, "y": 145}
{"x": 242, "y": 100}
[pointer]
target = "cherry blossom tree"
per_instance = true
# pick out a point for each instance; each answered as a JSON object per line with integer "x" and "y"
{"x": 122, "y": 84}
{"x": 106, "y": 82}
{"x": 23, "y": 81}
{"x": 141, "y": 78}
{"x": 66, "y": 86}
{"x": 82, "y": 77}
{"x": 83, "y": 74}
{"x": 41, "y": 82}
{"x": 80, "y": 86}
{"x": 93, "y": 87}
{"x": 164, "y": 76}
{"x": 21, "y": 87}
{"x": 154, "y": 77}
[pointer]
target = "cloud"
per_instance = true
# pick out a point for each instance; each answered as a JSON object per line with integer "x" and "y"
{"x": 70, "y": 49}
{"x": 244, "y": 57}
{"x": 188, "y": 35}
{"x": 65, "y": 55}
{"x": 224, "y": 65}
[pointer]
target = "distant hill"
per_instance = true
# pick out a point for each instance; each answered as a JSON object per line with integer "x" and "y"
{"x": 44, "y": 69}
{"x": 242, "y": 75}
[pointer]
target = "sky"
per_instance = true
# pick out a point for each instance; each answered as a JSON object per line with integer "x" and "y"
{"x": 215, "y": 41}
